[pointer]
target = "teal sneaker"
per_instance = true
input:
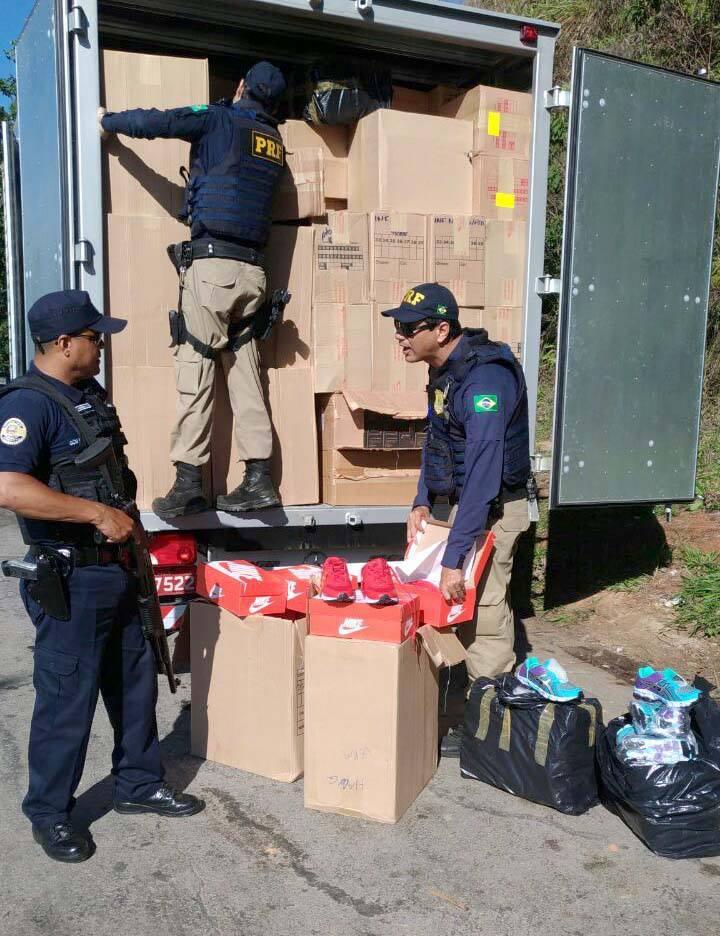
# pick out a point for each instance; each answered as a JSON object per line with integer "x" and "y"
{"x": 664, "y": 686}
{"x": 548, "y": 679}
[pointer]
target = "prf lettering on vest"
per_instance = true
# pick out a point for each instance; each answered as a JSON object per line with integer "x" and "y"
{"x": 264, "y": 147}
{"x": 413, "y": 297}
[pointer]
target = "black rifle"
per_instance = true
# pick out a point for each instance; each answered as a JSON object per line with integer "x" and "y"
{"x": 99, "y": 453}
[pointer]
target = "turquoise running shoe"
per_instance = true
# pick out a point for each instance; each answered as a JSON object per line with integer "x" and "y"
{"x": 664, "y": 686}
{"x": 548, "y": 679}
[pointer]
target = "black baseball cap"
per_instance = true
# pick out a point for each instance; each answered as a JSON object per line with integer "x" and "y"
{"x": 265, "y": 83}
{"x": 67, "y": 313}
{"x": 429, "y": 300}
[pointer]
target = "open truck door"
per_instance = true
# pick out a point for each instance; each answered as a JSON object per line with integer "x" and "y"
{"x": 640, "y": 208}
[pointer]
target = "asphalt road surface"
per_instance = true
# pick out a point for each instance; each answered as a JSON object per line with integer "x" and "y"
{"x": 465, "y": 858}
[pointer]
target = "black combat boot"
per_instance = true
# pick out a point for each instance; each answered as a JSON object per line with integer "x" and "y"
{"x": 256, "y": 491}
{"x": 185, "y": 496}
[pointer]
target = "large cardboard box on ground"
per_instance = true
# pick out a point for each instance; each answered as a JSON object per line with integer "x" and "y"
{"x": 505, "y": 260}
{"x": 398, "y": 254}
{"x": 289, "y": 254}
{"x": 410, "y": 162}
{"x": 333, "y": 141}
{"x": 501, "y": 187}
{"x": 300, "y": 193}
{"x": 291, "y": 403}
{"x": 248, "y": 691}
{"x": 456, "y": 256}
{"x": 353, "y": 473}
{"x": 503, "y": 119}
{"x": 372, "y": 722}
{"x": 142, "y": 192}
{"x": 341, "y": 261}
{"x": 390, "y": 371}
{"x": 142, "y": 177}
{"x": 342, "y": 346}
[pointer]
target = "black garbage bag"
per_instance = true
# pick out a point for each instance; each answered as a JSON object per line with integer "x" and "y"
{"x": 523, "y": 744}
{"x": 674, "y": 808}
{"x": 706, "y": 718}
{"x": 342, "y": 96}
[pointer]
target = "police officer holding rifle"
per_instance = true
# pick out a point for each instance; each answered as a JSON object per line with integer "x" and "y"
{"x": 86, "y": 580}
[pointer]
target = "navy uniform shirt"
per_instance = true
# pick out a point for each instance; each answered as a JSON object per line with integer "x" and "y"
{"x": 484, "y": 451}
{"x": 33, "y": 429}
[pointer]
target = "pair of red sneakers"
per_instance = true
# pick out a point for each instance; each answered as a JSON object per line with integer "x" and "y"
{"x": 376, "y": 582}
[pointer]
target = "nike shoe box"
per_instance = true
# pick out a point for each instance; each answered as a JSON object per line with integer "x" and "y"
{"x": 248, "y": 684}
{"x": 242, "y": 588}
{"x": 419, "y": 575}
{"x": 371, "y": 730}
{"x": 360, "y": 620}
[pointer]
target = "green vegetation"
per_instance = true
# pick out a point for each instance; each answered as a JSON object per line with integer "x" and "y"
{"x": 699, "y": 608}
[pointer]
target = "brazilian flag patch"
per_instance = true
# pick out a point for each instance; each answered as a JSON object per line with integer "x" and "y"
{"x": 196, "y": 108}
{"x": 485, "y": 403}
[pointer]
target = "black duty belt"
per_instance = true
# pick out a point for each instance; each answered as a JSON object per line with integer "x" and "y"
{"x": 183, "y": 254}
{"x": 514, "y": 493}
{"x": 110, "y": 554}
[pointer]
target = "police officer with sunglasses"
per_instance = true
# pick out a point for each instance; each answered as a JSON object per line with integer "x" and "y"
{"x": 476, "y": 454}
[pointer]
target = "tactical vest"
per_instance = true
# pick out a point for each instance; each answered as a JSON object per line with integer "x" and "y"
{"x": 444, "y": 462}
{"x": 93, "y": 418}
{"x": 233, "y": 197}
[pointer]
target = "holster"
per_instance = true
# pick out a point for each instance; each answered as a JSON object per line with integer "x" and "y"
{"x": 47, "y": 575}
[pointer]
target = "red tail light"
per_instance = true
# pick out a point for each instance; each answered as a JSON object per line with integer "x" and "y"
{"x": 528, "y": 35}
{"x": 173, "y": 549}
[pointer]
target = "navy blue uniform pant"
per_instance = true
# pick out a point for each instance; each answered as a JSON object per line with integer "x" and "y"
{"x": 101, "y": 649}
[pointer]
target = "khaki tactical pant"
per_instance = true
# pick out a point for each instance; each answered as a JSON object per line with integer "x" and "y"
{"x": 216, "y": 293}
{"x": 490, "y": 637}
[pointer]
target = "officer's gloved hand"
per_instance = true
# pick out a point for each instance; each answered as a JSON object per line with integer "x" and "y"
{"x": 415, "y": 520}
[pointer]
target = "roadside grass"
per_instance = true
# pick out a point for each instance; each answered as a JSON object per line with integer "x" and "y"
{"x": 708, "y": 470}
{"x": 630, "y": 584}
{"x": 699, "y": 608}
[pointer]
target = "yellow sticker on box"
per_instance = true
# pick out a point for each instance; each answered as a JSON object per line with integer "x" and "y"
{"x": 493, "y": 126}
{"x": 504, "y": 200}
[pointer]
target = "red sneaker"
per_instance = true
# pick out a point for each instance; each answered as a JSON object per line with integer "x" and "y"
{"x": 335, "y": 581}
{"x": 377, "y": 583}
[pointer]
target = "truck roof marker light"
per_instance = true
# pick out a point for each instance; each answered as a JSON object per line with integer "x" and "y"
{"x": 528, "y": 34}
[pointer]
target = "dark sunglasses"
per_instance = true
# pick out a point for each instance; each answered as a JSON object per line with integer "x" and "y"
{"x": 95, "y": 337}
{"x": 408, "y": 329}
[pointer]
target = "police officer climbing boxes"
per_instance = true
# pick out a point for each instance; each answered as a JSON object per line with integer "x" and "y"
{"x": 80, "y": 590}
{"x": 476, "y": 453}
{"x": 236, "y": 159}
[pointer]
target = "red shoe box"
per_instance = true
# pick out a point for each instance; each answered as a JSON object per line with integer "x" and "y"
{"x": 358, "y": 620}
{"x": 301, "y": 585}
{"x": 242, "y": 587}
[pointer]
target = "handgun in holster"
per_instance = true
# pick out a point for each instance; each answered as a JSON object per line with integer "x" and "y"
{"x": 47, "y": 577}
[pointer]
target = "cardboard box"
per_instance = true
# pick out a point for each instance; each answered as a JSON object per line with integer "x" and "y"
{"x": 501, "y": 187}
{"x": 390, "y": 371}
{"x": 341, "y": 261}
{"x": 368, "y": 478}
{"x": 372, "y": 722}
{"x": 410, "y": 163}
{"x": 359, "y": 620}
{"x": 510, "y": 327}
{"x": 289, "y": 254}
{"x": 142, "y": 177}
{"x": 345, "y": 417}
{"x": 456, "y": 256}
{"x": 505, "y": 260}
{"x": 291, "y": 401}
{"x": 411, "y": 101}
{"x": 301, "y": 583}
{"x": 342, "y": 346}
{"x": 503, "y": 119}
{"x": 333, "y": 141}
{"x": 301, "y": 190}
{"x": 242, "y": 587}
{"x": 248, "y": 691}
{"x": 398, "y": 255}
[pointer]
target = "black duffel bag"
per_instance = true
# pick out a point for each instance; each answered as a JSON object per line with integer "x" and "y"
{"x": 521, "y": 743}
{"x": 673, "y": 808}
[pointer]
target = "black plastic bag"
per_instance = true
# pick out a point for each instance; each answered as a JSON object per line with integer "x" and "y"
{"x": 523, "y": 744}
{"x": 340, "y": 97}
{"x": 675, "y": 808}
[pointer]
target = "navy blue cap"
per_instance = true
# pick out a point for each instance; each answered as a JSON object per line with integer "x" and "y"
{"x": 67, "y": 313}
{"x": 265, "y": 83}
{"x": 429, "y": 300}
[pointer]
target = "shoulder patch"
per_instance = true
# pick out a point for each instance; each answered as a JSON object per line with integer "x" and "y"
{"x": 13, "y": 431}
{"x": 196, "y": 108}
{"x": 267, "y": 147}
{"x": 485, "y": 403}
